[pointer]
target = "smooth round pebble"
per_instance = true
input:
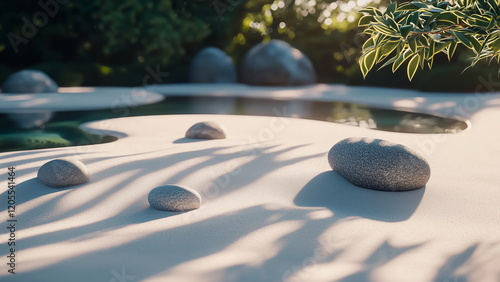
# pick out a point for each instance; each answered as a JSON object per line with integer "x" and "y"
{"x": 206, "y": 130}
{"x": 174, "y": 198}
{"x": 62, "y": 173}
{"x": 29, "y": 81}
{"x": 379, "y": 164}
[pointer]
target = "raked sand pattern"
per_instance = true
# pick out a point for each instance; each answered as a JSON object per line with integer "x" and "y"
{"x": 272, "y": 209}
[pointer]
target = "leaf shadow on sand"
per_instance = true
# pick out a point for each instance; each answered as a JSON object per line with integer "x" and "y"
{"x": 142, "y": 168}
{"x": 180, "y": 248}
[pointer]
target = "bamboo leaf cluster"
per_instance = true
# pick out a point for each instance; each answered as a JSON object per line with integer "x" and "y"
{"x": 414, "y": 32}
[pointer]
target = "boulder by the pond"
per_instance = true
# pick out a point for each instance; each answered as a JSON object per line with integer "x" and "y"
{"x": 206, "y": 130}
{"x": 276, "y": 63}
{"x": 62, "y": 173}
{"x": 174, "y": 198}
{"x": 379, "y": 164}
{"x": 29, "y": 81}
{"x": 212, "y": 65}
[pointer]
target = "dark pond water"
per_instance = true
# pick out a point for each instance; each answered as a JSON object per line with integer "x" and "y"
{"x": 63, "y": 129}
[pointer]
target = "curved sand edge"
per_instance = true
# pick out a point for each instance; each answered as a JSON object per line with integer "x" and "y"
{"x": 77, "y": 99}
{"x": 272, "y": 209}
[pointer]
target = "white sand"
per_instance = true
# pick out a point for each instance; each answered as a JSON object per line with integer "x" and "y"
{"x": 77, "y": 99}
{"x": 272, "y": 208}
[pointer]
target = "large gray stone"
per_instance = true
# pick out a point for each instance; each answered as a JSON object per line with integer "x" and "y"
{"x": 206, "y": 130}
{"x": 212, "y": 65}
{"x": 174, "y": 198}
{"x": 62, "y": 173}
{"x": 379, "y": 165}
{"x": 276, "y": 63}
{"x": 29, "y": 81}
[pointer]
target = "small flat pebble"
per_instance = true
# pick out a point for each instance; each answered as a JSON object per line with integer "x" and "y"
{"x": 174, "y": 198}
{"x": 206, "y": 130}
{"x": 379, "y": 164}
{"x": 62, "y": 173}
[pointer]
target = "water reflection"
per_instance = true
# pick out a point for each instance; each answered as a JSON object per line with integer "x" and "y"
{"x": 338, "y": 112}
{"x": 30, "y": 120}
{"x": 63, "y": 130}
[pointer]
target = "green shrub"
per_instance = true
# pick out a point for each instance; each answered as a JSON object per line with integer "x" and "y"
{"x": 108, "y": 37}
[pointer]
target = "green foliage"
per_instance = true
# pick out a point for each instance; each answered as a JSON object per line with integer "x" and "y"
{"x": 108, "y": 39}
{"x": 414, "y": 32}
{"x": 96, "y": 43}
{"x": 138, "y": 31}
